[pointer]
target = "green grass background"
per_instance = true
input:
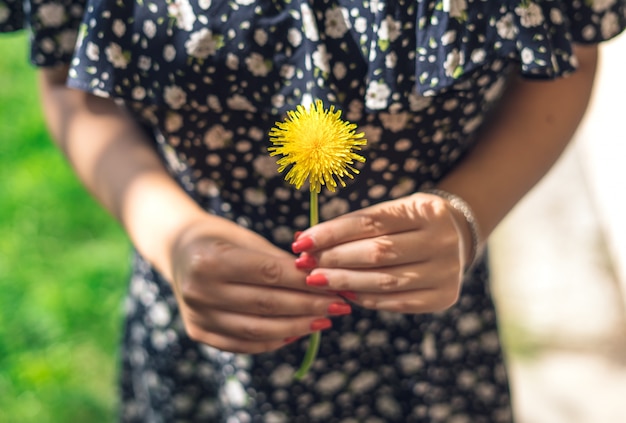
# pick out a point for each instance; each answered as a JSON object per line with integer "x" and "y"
{"x": 63, "y": 269}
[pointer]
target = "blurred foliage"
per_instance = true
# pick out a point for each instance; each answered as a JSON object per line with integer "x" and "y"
{"x": 63, "y": 269}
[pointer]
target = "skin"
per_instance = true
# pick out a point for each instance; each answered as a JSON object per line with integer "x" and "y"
{"x": 408, "y": 255}
{"x": 238, "y": 292}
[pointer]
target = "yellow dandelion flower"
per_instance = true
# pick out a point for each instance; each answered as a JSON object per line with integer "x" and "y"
{"x": 316, "y": 145}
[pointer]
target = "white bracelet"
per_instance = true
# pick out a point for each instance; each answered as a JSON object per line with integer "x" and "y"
{"x": 461, "y": 205}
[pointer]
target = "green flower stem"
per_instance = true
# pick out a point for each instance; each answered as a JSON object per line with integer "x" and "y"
{"x": 309, "y": 357}
{"x": 314, "y": 215}
{"x": 314, "y": 338}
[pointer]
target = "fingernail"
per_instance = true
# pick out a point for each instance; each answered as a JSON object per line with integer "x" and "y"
{"x": 306, "y": 261}
{"x": 339, "y": 309}
{"x": 317, "y": 280}
{"x": 296, "y": 235}
{"x": 302, "y": 245}
{"x": 348, "y": 294}
{"x": 320, "y": 324}
{"x": 291, "y": 339}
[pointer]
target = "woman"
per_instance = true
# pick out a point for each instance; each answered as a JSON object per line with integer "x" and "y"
{"x": 164, "y": 108}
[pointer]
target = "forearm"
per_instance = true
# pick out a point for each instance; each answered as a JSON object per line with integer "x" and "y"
{"x": 115, "y": 161}
{"x": 533, "y": 125}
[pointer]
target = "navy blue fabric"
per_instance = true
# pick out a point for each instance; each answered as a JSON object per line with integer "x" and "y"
{"x": 209, "y": 78}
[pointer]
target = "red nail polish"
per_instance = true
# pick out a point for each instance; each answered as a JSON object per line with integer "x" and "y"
{"x": 302, "y": 245}
{"x": 306, "y": 261}
{"x": 291, "y": 339}
{"x": 350, "y": 295}
{"x": 317, "y": 280}
{"x": 296, "y": 235}
{"x": 320, "y": 324}
{"x": 339, "y": 309}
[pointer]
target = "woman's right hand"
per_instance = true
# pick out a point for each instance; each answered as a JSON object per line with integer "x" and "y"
{"x": 237, "y": 292}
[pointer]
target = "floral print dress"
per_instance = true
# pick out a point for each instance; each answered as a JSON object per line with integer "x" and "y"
{"x": 208, "y": 78}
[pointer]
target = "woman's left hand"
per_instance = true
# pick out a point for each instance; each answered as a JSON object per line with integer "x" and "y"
{"x": 404, "y": 255}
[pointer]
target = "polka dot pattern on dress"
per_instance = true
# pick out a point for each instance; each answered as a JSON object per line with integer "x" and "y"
{"x": 209, "y": 78}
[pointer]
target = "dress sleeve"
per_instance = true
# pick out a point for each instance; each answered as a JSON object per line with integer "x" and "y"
{"x": 53, "y": 26}
{"x": 594, "y": 21}
{"x": 537, "y": 35}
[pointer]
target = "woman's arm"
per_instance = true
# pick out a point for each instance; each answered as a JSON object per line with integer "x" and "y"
{"x": 116, "y": 162}
{"x": 532, "y": 126}
{"x": 235, "y": 290}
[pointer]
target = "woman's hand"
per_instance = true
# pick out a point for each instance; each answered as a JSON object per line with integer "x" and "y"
{"x": 408, "y": 255}
{"x": 238, "y": 292}
{"x": 405, "y": 255}
{"x": 235, "y": 290}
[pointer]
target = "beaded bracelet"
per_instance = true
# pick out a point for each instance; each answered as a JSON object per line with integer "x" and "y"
{"x": 461, "y": 205}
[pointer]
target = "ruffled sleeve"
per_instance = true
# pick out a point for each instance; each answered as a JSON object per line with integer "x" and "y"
{"x": 593, "y": 21}
{"x": 53, "y": 25}
{"x": 11, "y": 15}
{"x": 455, "y": 37}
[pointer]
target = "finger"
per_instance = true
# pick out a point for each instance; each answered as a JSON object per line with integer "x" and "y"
{"x": 426, "y": 275}
{"x": 421, "y": 301}
{"x": 262, "y": 301}
{"x": 224, "y": 261}
{"x": 390, "y": 250}
{"x": 256, "y": 328}
{"x": 245, "y": 238}
{"x": 234, "y": 345}
{"x": 258, "y": 243}
{"x": 386, "y": 218}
